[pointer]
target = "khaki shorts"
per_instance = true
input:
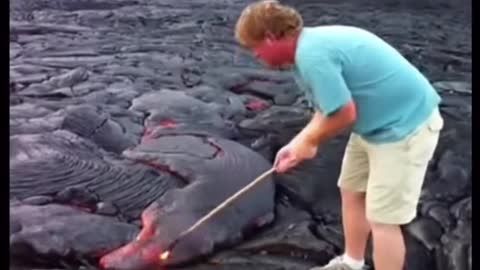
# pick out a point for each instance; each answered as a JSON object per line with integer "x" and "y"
{"x": 391, "y": 174}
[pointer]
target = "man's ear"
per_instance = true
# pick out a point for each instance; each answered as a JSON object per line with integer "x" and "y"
{"x": 270, "y": 37}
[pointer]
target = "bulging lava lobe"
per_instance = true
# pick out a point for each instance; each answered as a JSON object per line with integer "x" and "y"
{"x": 54, "y": 231}
{"x": 179, "y": 208}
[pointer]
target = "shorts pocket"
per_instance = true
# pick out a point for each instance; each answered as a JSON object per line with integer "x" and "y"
{"x": 422, "y": 145}
{"x": 435, "y": 125}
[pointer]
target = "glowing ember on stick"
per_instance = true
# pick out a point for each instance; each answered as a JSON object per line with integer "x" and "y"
{"x": 164, "y": 255}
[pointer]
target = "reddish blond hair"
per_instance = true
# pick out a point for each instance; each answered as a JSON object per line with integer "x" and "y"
{"x": 266, "y": 17}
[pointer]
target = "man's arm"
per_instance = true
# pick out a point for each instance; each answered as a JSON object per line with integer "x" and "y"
{"x": 331, "y": 96}
{"x": 321, "y": 128}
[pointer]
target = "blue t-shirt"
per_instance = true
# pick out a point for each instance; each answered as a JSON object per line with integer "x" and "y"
{"x": 335, "y": 64}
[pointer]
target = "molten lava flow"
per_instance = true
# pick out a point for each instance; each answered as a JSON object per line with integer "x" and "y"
{"x": 164, "y": 255}
{"x": 146, "y": 233}
{"x": 218, "y": 150}
{"x": 148, "y": 131}
{"x": 137, "y": 255}
{"x": 257, "y": 105}
{"x": 168, "y": 123}
{"x": 165, "y": 168}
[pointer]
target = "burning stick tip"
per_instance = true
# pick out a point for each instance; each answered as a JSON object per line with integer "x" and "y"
{"x": 164, "y": 255}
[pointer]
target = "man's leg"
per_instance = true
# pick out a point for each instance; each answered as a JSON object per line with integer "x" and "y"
{"x": 388, "y": 247}
{"x": 353, "y": 183}
{"x": 355, "y": 225}
{"x": 397, "y": 172}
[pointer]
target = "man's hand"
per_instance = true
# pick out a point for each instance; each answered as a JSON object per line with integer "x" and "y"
{"x": 293, "y": 154}
{"x": 319, "y": 129}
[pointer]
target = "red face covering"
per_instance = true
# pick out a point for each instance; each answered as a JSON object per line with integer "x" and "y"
{"x": 275, "y": 53}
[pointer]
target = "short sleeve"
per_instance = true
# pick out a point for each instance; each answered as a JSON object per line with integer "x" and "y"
{"x": 324, "y": 77}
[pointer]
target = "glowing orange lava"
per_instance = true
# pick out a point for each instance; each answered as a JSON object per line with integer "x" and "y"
{"x": 164, "y": 255}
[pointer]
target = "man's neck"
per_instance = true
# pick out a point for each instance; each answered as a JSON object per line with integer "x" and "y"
{"x": 295, "y": 39}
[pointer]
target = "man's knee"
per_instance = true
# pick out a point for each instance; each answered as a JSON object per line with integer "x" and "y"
{"x": 352, "y": 197}
{"x": 379, "y": 229}
{"x": 383, "y": 226}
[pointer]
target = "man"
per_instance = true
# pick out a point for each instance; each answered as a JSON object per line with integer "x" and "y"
{"x": 354, "y": 80}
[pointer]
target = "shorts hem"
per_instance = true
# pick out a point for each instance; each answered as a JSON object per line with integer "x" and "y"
{"x": 392, "y": 221}
{"x": 351, "y": 189}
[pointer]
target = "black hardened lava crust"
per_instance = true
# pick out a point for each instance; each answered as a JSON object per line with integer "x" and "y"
{"x": 130, "y": 119}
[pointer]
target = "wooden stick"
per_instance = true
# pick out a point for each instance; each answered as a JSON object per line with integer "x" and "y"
{"x": 223, "y": 205}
